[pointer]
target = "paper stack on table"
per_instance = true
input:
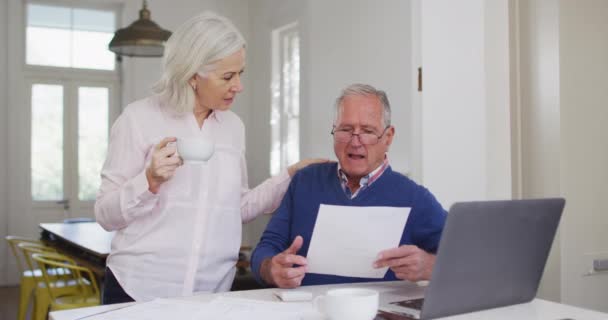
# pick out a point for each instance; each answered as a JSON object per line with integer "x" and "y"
{"x": 221, "y": 308}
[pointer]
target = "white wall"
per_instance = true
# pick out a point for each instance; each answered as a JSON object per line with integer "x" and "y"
{"x": 497, "y": 102}
{"x": 3, "y": 139}
{"x": 540, "y": 116}
{"x": 583, "y": 46}
{"x": 465, "y": 101}
{"x": 355, "y": 41}
{"x": 266, "y": 16}
{"x": 563, "y": 66}
{"x": 15, "y": 124}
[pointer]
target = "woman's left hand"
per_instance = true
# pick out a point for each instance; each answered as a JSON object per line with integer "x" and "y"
{"x": 292, "y": 169}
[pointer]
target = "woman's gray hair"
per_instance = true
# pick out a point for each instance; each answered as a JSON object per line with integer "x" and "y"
{"x": 359, "y": 89}
{"x": 194, "y": 48}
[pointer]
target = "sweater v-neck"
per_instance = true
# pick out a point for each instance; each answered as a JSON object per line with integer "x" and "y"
{"x": 363, "y": 194}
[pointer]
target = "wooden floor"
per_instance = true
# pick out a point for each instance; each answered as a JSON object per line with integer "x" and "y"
{"x": 9, "y": 303}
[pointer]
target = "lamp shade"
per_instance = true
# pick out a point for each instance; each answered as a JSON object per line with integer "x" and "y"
{"x": 143, "y": 38}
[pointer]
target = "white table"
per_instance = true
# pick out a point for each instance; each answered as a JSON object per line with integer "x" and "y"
{"x": 538, "y": 309}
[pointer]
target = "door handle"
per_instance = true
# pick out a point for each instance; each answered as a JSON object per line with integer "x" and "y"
{"x": 65, "y": 203}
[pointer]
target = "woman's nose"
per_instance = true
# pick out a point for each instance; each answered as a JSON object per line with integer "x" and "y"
{"x": 237, "y": 86}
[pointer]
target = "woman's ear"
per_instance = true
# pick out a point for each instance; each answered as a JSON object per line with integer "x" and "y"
{"x": 192, "y": 82}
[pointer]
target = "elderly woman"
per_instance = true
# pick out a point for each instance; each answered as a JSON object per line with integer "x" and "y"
{"x": 179, "y": 225}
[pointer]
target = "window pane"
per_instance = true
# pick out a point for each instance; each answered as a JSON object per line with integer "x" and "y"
{"x": 90, "y": 50}
{"x": 94, "y": 20}
{"x": 92, "y": 138}
{"x": 285, "y": 88}
{"x": 293, "y": 141}
{"x": 70, "y": 37}
{"x": 48, "y": 47}
{"x": 93, "y": 30}
{"x": 47, "y": 142}
{"x": 48, "y": 16}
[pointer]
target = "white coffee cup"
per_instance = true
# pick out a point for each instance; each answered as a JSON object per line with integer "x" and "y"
{"x": 195, "y": 149}
{"x": 348, "y": 303}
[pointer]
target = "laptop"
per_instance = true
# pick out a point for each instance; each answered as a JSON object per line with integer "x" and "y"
{"x": 491, "y": 254}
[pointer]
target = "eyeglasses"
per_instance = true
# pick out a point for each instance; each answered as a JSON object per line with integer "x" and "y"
{"x": 346, "y": 135}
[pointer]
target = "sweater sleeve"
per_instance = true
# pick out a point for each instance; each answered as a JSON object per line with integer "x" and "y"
{"x": 430, "y": 219}
{"x": 123, "y": 195}
{"x": 277, "y": 236}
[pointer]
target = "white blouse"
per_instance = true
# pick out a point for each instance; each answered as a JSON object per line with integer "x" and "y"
{"x": 185, "y": 238}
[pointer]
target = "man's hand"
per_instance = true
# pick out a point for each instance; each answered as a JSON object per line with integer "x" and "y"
{"x": 407, "y": 262}
{"x": 163, "y": 164}
{"x": 281, "y": 271}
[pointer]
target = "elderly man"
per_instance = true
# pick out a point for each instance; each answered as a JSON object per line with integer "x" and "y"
{"x": 362, "y": 135}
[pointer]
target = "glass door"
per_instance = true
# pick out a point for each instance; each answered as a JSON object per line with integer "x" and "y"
{"x": 69, "y": 136}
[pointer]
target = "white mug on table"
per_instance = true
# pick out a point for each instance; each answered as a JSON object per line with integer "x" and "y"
{"x": 348, "y": 303}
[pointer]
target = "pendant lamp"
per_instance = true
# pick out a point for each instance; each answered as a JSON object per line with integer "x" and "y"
{"x": 143, "y": 38}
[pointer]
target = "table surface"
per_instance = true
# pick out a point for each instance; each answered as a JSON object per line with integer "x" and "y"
{"x": 538, "y": 309}
{"x": 88, "y": 236}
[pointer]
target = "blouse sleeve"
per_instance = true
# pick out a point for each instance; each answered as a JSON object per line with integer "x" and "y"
{"x": 265, "y": 198}
{"x": 123, "y": 195}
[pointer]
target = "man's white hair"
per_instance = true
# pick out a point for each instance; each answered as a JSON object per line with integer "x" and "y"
{"x": 359, "y": 89}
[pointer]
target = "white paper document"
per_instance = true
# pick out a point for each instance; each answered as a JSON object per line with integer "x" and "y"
{"x": 221, "y": 308}
{"x": 347, "y": 240}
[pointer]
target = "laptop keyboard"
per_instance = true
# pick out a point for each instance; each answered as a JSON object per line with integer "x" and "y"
{"x": 385, "y": 315}
{"x": 412, "y": 304}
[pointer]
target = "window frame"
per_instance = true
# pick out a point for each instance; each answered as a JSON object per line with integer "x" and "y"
{"x": 116, "y": 7}
{"x": 279, "y": 36}
{"x": 71, "y": 79}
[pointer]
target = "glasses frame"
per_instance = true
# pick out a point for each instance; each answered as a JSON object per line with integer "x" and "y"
{"x": 333, "y": 131}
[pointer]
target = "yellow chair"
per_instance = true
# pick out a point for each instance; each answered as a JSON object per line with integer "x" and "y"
{"x": 28, "y": 281}
{"x": 86, "y": 290}
{"x": 60, "y": 283}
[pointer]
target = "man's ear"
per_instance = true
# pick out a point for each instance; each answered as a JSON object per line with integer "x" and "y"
{"x": 390, "y": 134}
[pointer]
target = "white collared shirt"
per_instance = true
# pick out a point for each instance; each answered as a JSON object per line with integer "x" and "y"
{"x": 365, "y": 181}
{"x": 185, "y": 238}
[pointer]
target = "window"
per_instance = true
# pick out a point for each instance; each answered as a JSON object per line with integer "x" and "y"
{"x": 93, "y": 130}
{"x": 69, "y": 37}
{"x": 47, "y": 140}
{"x": 285, "y": 110}
{"x": 73, "y": 81}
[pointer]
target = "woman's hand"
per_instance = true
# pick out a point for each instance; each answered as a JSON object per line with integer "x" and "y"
{"x": 292, "y": 169}
{"x": 164, "y": 162}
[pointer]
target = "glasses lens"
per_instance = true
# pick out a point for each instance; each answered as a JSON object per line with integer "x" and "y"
{"x": 342, "y": 136}
{"x": 368, "y": 138}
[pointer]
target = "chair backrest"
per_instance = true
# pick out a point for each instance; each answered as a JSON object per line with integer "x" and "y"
{"x": 29, "y": 248}
{"x": 82, "y": 278}
{"x": 13, "y": 243}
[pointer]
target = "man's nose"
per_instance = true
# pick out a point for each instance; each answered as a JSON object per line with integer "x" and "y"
{"x": 355, "y": 140}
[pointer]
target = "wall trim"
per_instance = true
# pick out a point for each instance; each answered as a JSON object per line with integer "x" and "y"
{"x": 515, "y": 88}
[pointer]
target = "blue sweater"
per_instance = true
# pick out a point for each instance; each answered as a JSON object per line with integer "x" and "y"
{"x": 319, "y": 184}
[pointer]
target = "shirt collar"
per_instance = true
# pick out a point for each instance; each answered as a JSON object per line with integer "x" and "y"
{"x": 367, "y": 179}
{"x": 217, "y": 115}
